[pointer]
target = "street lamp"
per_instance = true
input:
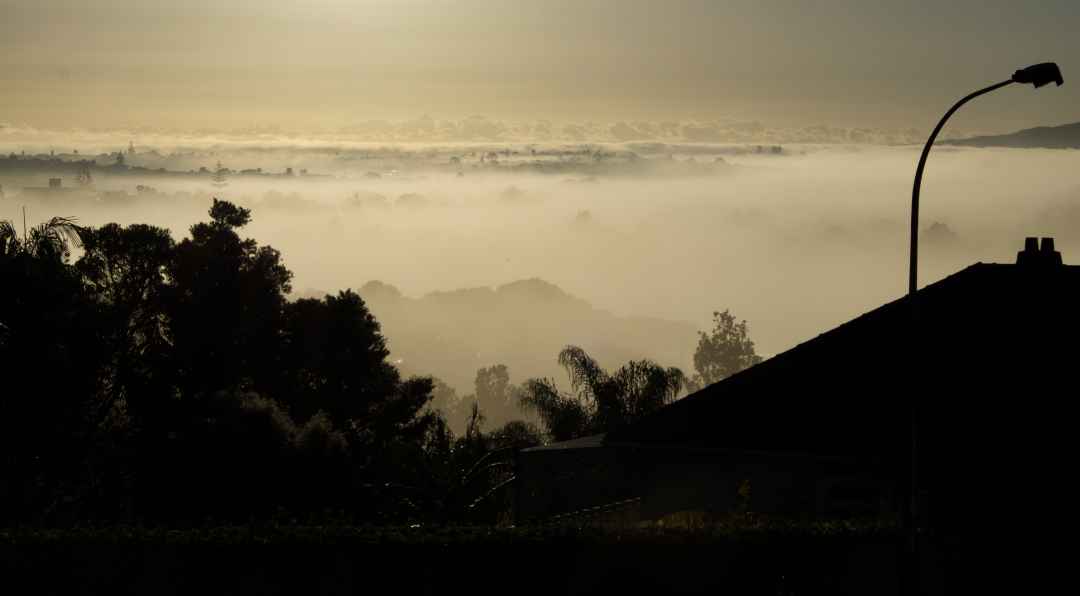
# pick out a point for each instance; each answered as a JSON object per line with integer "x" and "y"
{"x": 1037, "y": 75}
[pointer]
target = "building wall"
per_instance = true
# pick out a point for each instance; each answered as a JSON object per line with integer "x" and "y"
{"x": 670, "y": 480}
{"x": 560, "y": 481}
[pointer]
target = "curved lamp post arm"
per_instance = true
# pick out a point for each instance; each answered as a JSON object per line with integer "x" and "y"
{"x": 1037, "y": 75}
{"x": 912, "y": 287}
{"x": 912, "y": 276}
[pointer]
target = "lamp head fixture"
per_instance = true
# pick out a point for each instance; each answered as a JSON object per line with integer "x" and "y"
{"x": 1039, "y": 75}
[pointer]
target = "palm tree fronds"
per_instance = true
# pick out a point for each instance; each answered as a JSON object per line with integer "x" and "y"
{"x": 53, "y": 237}
{"x": 585, "y": 373}
{"x": 9, "y": 239}
{"x": 68, "y": 229}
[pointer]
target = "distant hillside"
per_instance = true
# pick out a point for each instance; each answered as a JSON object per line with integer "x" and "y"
{"x": 522, "y": 324}
{"x": 1066, "y": 136}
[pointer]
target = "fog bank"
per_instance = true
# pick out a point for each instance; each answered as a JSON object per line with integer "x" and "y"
{"x": 795, "y": 242}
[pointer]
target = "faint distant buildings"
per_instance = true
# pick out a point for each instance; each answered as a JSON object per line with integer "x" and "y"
{"x": 56, "y": 174}
{"x": 84, "y": 178}
{"x": 220, "y": 177}
{"x": 54, "y": 190}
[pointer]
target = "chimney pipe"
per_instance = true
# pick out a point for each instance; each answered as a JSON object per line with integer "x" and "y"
{"x": 1038, "y": 254}
{"x": 1051, "y": 256}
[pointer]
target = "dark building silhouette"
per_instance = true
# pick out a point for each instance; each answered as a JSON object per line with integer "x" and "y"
{"x": 986, "y": 356}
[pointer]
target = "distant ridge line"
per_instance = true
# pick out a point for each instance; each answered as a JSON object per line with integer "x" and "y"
{"x": 1065, "y": 136}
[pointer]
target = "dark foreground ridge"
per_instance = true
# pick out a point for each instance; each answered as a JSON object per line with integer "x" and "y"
{"x": 746, "y": 557}
{"x": 746, "y": 528}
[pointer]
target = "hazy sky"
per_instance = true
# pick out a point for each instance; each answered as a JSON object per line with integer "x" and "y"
{"x": 328, "y": 63}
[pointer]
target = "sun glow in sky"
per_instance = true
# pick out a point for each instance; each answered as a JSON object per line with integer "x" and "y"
{"x": 328, "y": 63}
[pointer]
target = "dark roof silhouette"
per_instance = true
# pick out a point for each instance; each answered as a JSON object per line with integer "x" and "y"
{"x": 984, "y": 359}
{"x": 586, "y": 442}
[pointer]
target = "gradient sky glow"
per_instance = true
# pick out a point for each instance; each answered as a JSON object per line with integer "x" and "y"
{"x": 226, "y": 64}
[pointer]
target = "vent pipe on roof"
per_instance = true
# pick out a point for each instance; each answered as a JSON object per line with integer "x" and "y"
{"x": 1036, "y": 254}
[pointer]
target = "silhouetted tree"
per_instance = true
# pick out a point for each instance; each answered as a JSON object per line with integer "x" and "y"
{"x": 399, "y": 416}
{"x": 473, "y": 470}
{"x": 492, "y": 384}
{"x": 50, "y": 354}
{"x": 125, "y": 269}
{"x": 563, "y": 416}
{"x": 334, "y": 359}
{"x": 600, "y": 402}
{"x": 172, "y": 381}
{"x": 322, "y": 466}
{"x": 318, "y": 439}
{"x": 474, "y": 424}
{"x": 227, "y": 305}
{"x": 516, "y": 434}
{"x": 724, "y": 351}
{"x": 445, "y": 400}
{"x": 496, "y": 396}
{"x": 394, "y": 441}
{"x": 50, "y": 240}
{"x": 230, "y": 462}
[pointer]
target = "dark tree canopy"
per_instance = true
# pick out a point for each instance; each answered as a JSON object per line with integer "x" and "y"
{"x": 494, "y": 396}
{"x": 125, "y": 270}
{"x": 227, "y": 305}
{"x": 50, "y": 357}
{"x": 225, "y": 214}
{"x": 173, "y": 382}
{"x": 334, "y": 358}
{"x": 724, "y": 351}
{"x": 497, "y": 397}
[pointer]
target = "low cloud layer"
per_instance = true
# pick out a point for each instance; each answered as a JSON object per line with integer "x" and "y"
{"x": 369, "y": 134}
{"x": 795, "y": 242}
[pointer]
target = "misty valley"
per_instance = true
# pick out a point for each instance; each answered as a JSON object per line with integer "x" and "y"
{"x": 538, "y": 296}
{"x": 422, "y": 344}
{"x": 642, "y": 240}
